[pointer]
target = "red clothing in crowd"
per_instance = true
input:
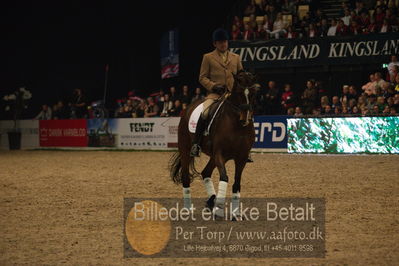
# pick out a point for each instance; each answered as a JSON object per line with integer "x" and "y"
{"x": 291, "y": 35}
{"x": 287, "y": 95}
{"x": 236, "y": 35}
{"x": 355, "y": 30}
{"x": 379, "y": 19}
{"x": 342, "y": 31}
{"x": 248, "y": 35}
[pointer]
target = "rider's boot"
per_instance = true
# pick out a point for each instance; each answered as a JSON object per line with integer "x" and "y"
{"x": 195, "y": 148}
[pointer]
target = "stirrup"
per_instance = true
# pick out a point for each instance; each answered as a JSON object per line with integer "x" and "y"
{"x": 195, "y": 150}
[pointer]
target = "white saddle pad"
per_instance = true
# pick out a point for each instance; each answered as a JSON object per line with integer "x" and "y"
{"x": 192, "y": 122}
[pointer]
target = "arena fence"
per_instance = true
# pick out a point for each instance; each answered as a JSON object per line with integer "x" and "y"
{"x": 273, "y": 134}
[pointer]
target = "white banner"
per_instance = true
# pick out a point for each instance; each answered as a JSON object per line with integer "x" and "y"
{"x": 147, "y": 133}
{"x": 28, "y": 128}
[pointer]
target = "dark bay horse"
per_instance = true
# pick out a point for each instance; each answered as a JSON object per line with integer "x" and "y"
{"x": 231, "y": 137}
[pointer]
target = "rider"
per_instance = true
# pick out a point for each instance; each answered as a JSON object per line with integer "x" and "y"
{"x": 216, "y": 75}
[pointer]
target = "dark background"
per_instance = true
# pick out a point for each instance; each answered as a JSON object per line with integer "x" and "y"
{"x": 52, "y": 47}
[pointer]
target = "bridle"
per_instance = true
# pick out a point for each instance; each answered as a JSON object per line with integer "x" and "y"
{"x": 242, "y": 107}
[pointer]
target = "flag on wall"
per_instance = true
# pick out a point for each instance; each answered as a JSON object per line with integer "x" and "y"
{"x": 170, "y": 54}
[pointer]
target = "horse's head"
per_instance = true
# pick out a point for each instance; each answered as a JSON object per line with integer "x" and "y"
{"x": 243, "y": 94}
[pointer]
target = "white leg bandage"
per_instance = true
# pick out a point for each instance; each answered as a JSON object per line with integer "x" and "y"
{"x": 187, "y": 197}
{"x": 210, "y": 190}
{"x": 221, "y": 194}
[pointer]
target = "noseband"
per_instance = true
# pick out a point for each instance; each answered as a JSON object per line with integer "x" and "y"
{"x": 247, "y": 107}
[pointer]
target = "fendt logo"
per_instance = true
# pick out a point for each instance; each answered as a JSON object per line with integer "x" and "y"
{"x": 277, "y": 129}
{"x": 141, "y": 127}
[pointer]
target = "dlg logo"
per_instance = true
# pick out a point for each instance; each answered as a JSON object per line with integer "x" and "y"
{"x": 270, "y": 132}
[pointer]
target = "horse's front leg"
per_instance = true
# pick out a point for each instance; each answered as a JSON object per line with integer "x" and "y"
{"x": 221, "y": 196}
{"x": 235, "y": 196}
{"x": 210, "y": 190}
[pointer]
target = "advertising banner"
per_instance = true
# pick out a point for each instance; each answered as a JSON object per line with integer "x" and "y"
{"x": 271, "y": 132}
{"x": 360, "y": 49}
{"x": 344, "y": 135}
{"x": 63, "y": 133}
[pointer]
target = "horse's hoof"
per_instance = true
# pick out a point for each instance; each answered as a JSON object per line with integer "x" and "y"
{"x": 218, "y": 214}
{"x": 210, "y": 203}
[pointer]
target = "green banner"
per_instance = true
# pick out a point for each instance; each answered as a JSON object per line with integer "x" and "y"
{"x": 343, "y": 135}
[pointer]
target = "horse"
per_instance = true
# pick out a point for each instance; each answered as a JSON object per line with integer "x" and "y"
{"x": 230, "y": 137}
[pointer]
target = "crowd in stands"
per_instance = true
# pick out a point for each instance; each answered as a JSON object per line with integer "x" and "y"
{"x": 160, "y": 104}
{"x": 273, "y": 19}
{"x": 376, "y": 97}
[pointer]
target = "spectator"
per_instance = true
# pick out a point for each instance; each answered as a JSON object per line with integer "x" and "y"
{"x": 345, "y": 93}
{"x": 354, "y": 28}
{"x": 342, "y": 29}
{"x": 372, "y": 27}
{"x": 335, "y": 102}
{"x": 352, "y": 93}
{"x": 391, "y": 68}
{"x": 309, "y": 97}
{"x": 298, "y": 112}
{"x": 290, "y": 111}
{"x": 238, "y": 22}
{"x": 260, "y": 33}
{"x": 324, "y": 28}
{"x": 369, "y": 87}
{"x": 396, "y": 84}
{"x": 167, "y": 106}
{"x": 332, "y": 31}
{"x": 291, "y": 34}
{"x": 385, "y": 27}
{"x": 140, "y": 110}
{"x": 364, "y": 20}
{"x": 185, "y": 96}
{"x": 198, "y": 96}
{"x": 378, "y": 81}
{"x": 324, "y": 102}
{"x": 78, "y": 104}
{"x": 287, "y": 98}
{"x": 173, "y": 95}
{"x": 279, "y": 27}
{"x": 248, "y": 33}
{"x": 327, "y": 110}
{"x": 152, "y": 109}
{"x": 126, "y": 112}
{"x": 288, "y": 7}
{"x": 267, "y": 25}
{"x": 250, "y": 9}
{"x": 371, "y": 101}
{"x": 235, "y": 33}
{"x": 177, "y": 109}
{"x": 381, "y": 104}
{"x": 45, "y": 113}
{"x": 379, "y": 17}
{"x": 354, "y": 110}
{"x": 347, "y": 17}
{"x": 272, "y": 99}
{"x": 312, "y": 32}
{"x": 61, "y": 112}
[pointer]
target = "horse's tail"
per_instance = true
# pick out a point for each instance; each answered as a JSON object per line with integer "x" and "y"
{"x": 175, "y": 168}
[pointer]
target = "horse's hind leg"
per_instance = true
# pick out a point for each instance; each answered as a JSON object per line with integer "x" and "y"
{"x": 185, "y": 176}
{"x": 210, "y": 190}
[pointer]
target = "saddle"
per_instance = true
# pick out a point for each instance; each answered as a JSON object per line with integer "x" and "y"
{"x": 212, "y": 113}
